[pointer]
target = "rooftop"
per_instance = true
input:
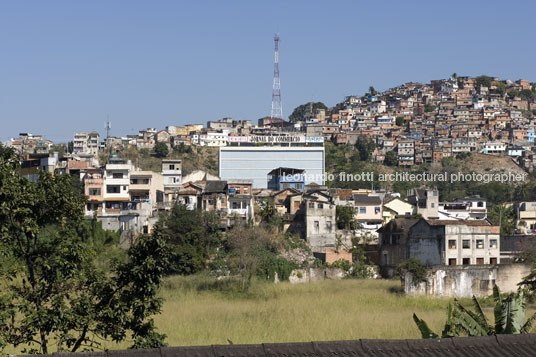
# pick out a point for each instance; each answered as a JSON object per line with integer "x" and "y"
{"x": 501, "y": 345}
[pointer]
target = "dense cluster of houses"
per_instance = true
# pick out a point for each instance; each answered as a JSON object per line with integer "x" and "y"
{"x": 420, "y": 123}
{"x": 125, "y": 198}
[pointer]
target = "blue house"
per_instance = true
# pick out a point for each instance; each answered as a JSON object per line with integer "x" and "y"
{"x": 284, "y": 177}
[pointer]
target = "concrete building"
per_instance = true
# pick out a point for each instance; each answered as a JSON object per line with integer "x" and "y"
{"x": 146, "y": 186}
{"x": 320, "y": 218}
{"x": 452, "y": 242}
{"x": 93, "y": 189}
{"x": 116, "y": 183}
{"x": 393, "y": 240}
{"x": 368, "y": 209}
{"x": 426, "y": 201}
{"x": 526, "y": 217}
{"x": 395, "y": 206}
{"x": 93, "y": 143}
{"x": 284, "y": 177}
{"x": 464, "y": 208}
{"x": 240, "y": 201}
{"x": 80, "y": 141}
{"x": 256, "y": 162}
{"x": 172, "y": 177}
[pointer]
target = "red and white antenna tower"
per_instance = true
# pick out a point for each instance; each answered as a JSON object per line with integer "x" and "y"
{"x": 277, "y": 108}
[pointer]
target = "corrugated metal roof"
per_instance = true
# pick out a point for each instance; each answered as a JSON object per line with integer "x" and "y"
{"x": 500, "y": 346}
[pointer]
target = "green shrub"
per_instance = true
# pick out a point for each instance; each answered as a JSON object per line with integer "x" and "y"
{"x": 415, "y": 267}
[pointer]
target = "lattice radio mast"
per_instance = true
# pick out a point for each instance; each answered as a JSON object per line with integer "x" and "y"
{"x": 277, "y": 108}
{"x": 108, "y": 126}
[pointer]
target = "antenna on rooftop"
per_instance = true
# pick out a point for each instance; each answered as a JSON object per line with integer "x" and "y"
{"x": 108, "y": 126}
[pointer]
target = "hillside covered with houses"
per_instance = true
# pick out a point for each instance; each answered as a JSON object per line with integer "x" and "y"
{"x": 414, "y": 125}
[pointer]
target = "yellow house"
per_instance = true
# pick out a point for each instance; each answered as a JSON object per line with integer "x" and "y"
{"x": 396, "y": 206}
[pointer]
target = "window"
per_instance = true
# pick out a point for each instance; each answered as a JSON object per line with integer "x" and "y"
{"x": 94, "y": 191}
{"x": 117, "y": 175}
{"x": 466, "y": 261}
{"x": 480, "y": 261}
{"x": 433, "y": 204}
{"x": 298, "y": 186}
{"x": 172, "y": 167}
{"x": 376, "y": 210}
{"x": 452, "y": 261}
{"x": 493, "y": 260}
{"x": 466, "y": 244}
{"x": 479, "y": 244}
{"x": 362, "y": 210}
{"x": 452, "y": 243}
{"x": 493, "y": 243}
{"x": 320, "y": 205}
{"x": 435, "y": 193}
{"x": 328, "y": 226}
{"x": 317, "y": 226}
{"x": 311, "y": 205}
{"x": 113, "y": 189}
{"x": 480, "y": 204}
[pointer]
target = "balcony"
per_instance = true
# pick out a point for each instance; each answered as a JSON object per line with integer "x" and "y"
{"x": 527, "y": 214}
{"x": 240, "y": 211}
{"x": 139, "y": 187}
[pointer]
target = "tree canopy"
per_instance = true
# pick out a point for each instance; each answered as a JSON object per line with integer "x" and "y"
{"x": 161, "y": 149}
{"x": 298, "y": 114}
{"x": 53, "y": 293}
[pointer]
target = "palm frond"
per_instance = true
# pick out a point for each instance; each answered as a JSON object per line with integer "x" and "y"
{"x": 479, "y": 312}
{"x": 468, "y": 321}
{"x": 496, "y": 293}
{"x": 527, "y": 326}
{"x": 423, "y": 327}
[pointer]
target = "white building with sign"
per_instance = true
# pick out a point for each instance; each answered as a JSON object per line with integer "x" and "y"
{"x": 255, "y": 162}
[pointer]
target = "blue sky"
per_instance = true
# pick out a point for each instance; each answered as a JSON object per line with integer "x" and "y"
{"x": 67, "y": 66}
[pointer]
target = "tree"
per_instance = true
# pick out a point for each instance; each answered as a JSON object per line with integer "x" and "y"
{"x": 429, "y": 107}
{"x": 298, "y": 114}
{"x": 372, "y": 91}
{"x": 70, "y": 146}
{"x": 400, "y": 121}
{"x": 391, "y": 158}
{"x": 345, "y": 216}
{"x": 161, "y": 149}
{"x": 509, "y": 313}
{"x": 503, "y": 216}
{"x": 54, "y": 295}
{"x": 192, "y": 235}
{"x": 254, "y": 251}
{"x": 500, "y": 87}
{"x": 483, "y": 81}
{"x": 365, "y": 146}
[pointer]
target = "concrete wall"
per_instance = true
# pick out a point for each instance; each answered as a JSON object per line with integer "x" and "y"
{"x": 426, "y": 243}
{"x": 312, "y": 275}
{"x": 466, "y": 281}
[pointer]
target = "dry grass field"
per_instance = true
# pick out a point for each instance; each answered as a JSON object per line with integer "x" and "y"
{"x": 195, "y": 313}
